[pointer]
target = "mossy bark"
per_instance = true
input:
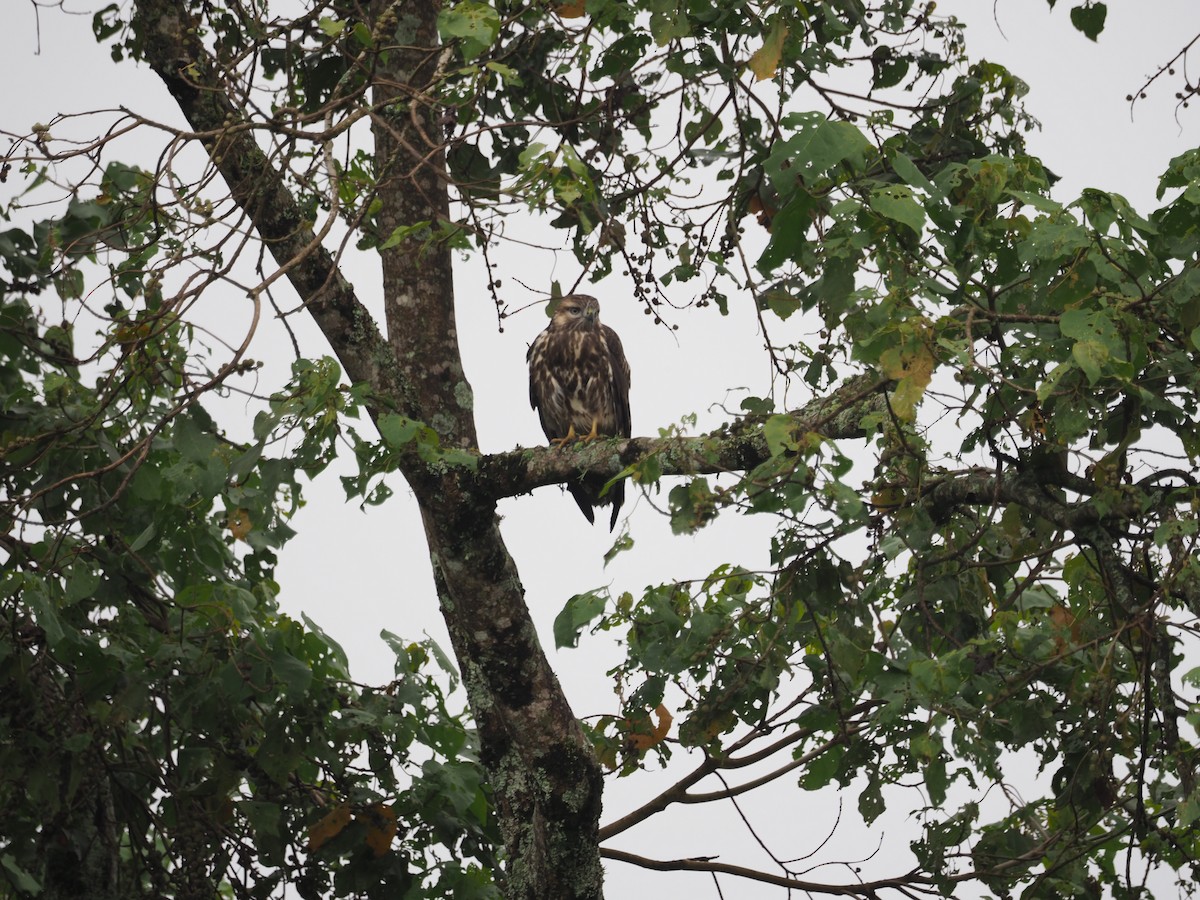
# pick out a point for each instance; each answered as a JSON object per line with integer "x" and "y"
{"x": 546, "y": 780}
{"x": 545, "y": 777}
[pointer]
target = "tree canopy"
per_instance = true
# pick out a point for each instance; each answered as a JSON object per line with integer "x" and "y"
{"x": 978, "y": 458}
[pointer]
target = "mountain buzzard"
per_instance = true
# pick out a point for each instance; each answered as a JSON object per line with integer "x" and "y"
{"x": 579, "y": 384}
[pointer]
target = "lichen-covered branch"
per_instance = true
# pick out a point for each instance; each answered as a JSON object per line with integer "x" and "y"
{"x": 738, "y": 447}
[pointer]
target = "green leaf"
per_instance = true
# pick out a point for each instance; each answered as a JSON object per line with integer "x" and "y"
{"x": 870, "y": 801}
{"x": 402, "y": 233}
{"x": 1099, "y": 342}
{"x": 576, "y": 614}
{"x": 668, "y": 21}
{"x": 294, "y": 673}
{"x": 81, "y": 583}
{"x": 780, "y": 434}
{"x": 821, "y": 770}
{"x": 331, "y": 645}
{"x": 473, "y": 172}
{"x": 814, "y": 150}
{"x": 245, "y": 464}
{"x": 1047, "y": 388}
{"x": 1089, "y": 18}
{"x": 445, "y": 663}
{"x": 1091, "y": 356}
{"x": 758, "y": 406}
{"x": 692, "y": 506}
{"x": 264, "y": 817}
{"x": 452, "y": 456}
{"x": 1192, "y": 677}
{"x": 147, "y": 535}
{"x": 789, "y": 231}
{"x": 782, "y": 303}
{"x": 77, "y": 742}
{"x": 1037, "y": 201}
{"x": 910, "y": 174}
{"x": 69, "y": 284}
{"x": 107, "y": 22}
{"x": 397, "y": 430}
{"x": 936, "y": 780}
{"x": 362, "y": 34}
{"x": 510, "y": 75}
{"x": 1189, "y": 811}
{"x": 22, "y": 880}
{"x": 647, "y": 470}
{"x": 896, "y": 203}
{"x": 475, "y": 24}
{"x": 44, "y": 612}
{"x": 620, "y": 545}
{"x": 330, "y": 26}
{"x": 888, "y": 68}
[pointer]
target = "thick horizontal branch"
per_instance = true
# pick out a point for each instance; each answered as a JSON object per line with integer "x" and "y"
{"x": 731, "y": 448}
{"x": 1033, "y": 491}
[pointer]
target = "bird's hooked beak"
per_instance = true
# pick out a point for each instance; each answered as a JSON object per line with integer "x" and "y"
{"x": 591, "y": 311}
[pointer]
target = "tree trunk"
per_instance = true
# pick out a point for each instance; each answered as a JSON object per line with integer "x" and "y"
{"x": 545, "y": 778}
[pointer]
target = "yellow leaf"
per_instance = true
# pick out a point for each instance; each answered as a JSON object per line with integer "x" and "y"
{"x": 720, "y": 723}
{"x": 765, "y": 60}
{"x": 912, "y": 369}
{"x": 571, "y": 9}
{"x": 644, "y": 736}
{"x": 328, "y": 828}
{"x": 888, "y": 497}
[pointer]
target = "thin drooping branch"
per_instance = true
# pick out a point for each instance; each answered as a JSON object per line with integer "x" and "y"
{"x": 1168, "y": 68}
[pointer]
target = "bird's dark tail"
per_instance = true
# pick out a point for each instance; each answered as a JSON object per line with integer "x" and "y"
{"x": 586, "y": 492}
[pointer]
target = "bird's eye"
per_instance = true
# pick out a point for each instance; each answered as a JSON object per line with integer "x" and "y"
{"x": 574, "y": 310}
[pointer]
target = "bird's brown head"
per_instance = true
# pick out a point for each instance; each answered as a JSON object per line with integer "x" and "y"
{"x": 576, "y": 311}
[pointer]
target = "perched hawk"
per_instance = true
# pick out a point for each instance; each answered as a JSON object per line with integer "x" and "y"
{"x": 579, "y": 384}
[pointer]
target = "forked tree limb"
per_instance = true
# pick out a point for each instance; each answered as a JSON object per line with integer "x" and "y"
{"x": 544, "y": 774}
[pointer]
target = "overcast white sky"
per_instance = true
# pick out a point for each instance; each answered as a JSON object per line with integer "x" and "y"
{"x": 357, "y": 572}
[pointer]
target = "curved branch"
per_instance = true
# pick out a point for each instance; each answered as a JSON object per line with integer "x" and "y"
{"x": 701, "y": 864}
{"x": 171, "y": 46}
{"x": 678, "y": 792}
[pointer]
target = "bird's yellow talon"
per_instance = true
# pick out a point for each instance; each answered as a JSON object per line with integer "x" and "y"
{"x": 563, "y": 441}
